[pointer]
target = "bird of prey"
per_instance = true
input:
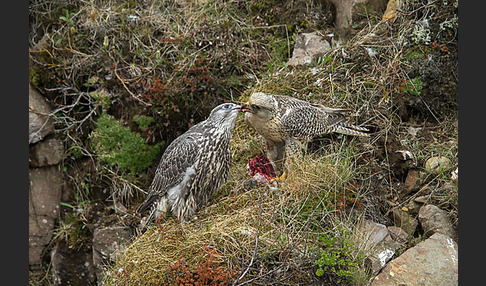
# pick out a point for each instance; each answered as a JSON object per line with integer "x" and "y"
{"x": 288, "y": 123}
{"x": 193, "y": 166}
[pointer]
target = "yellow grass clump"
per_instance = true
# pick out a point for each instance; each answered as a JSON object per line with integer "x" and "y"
{"x": 274, "y": 224}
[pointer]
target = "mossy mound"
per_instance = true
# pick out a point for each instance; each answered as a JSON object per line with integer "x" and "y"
{"x": 277, "y": 229}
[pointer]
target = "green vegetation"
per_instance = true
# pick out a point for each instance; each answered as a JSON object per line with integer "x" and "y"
{"x": 116, "y": 144}
{"x": 73, "y": 230}
{"x": 278, "y": 221}
{"x": 338, "y": 256}
{"x": 143, "y": 121}
{"x": 68, "y": 17}
{"x": 412, "y": 87}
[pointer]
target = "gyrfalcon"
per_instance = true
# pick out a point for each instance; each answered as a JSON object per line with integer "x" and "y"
{"x": 287, "y": 123}
{"x": 193, "y": 166}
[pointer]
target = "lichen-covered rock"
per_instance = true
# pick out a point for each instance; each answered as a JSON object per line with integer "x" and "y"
{"x": 108, "y": 242}
{"x": 40, "y": 124}
{"x": 380, "y": 244}
{"x": 438, "y": 164}
{"x": 44, "y": 197}
{"x": 47, "y": 152}
{"x": 391, "y": 10}
{"x": 432, "y": 262}
{"x": 434, "y": 220}
{"x": 308, "y": 47}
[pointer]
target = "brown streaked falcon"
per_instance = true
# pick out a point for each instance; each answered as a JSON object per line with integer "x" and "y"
{"x": 193, "y": 166}
{"x": 287, "y": 123}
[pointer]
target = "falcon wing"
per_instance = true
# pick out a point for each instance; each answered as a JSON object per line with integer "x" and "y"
{"x": 174, "y": 167}
{"x": 307, "y": 122}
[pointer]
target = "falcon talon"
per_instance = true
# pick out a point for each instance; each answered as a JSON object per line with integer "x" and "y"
{"x": 279, "y": 178}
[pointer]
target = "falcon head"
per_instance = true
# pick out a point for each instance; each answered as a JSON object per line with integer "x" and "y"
{"x": 261, "y": 104}
{"x": 226, "y": 112}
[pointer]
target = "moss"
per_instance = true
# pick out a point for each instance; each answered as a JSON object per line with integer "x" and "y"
{"x": 33, "y": 76}
{"x": 39, "y": 75}
{"x": 117, "y": 144}
{"x": 143, "y": 121}
{"x": 414, "y": 55}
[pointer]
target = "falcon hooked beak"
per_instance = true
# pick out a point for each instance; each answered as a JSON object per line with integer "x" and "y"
{"x": 240, "y": 108}
{"x": 246, "y": 108}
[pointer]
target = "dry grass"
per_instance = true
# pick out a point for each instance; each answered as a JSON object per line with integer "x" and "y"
{"x": 248, "y": 226}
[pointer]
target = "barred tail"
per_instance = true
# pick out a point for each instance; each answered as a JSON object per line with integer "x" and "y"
{"x": 349, "y": 129}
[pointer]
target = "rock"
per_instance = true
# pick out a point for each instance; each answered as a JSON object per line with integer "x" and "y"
{"x": 108, "y": 242}
{"x": 398, "y": 234}
{"x": 45, "y": 191}
{"x": 412, "y": 181}
{"x": 439, "y": 164}
{"x": 35, "y": 255}
{"x": 40, "y": 124}
{"x": 404, "y": 220}
{"x": 44, "y": 197}
{"x": 71, "y": 266}
{"x": 391, "y": 10}
{"x": 433, "y": 261}
{"x": 378, "y": 241}
{"x": 435, "y": 220}
{"x": 421, "y": 199}
{"x": 46, "y": 153}
{"x": 40, "y": 234}
{"x": 375, "y": 232}
{"x": 413, "y": 207}
{"x": 308, "y": 47}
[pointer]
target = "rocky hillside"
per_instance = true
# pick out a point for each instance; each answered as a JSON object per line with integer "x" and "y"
{"x": 112, "y": 83}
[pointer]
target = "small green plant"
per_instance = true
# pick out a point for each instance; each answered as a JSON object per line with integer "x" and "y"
{"x": 117, "y": 144}
{"x": 338, "y": 256}
{"x": 415, "y": 55}
{"x": 102, "y": 97}
{"x": 68, "y": 17}
{"x": 73, "y": 229}
{"x": 143, "y": 121}
{"x": 412, "y": 87}
{"x": 76, "y": 151}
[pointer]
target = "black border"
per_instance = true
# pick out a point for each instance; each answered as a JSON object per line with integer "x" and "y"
{"x": 471, "y": 144}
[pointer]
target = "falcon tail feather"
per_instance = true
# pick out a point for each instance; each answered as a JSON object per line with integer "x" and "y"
{"x": 349, "y": 129}
{"x": 146, "y": 204}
